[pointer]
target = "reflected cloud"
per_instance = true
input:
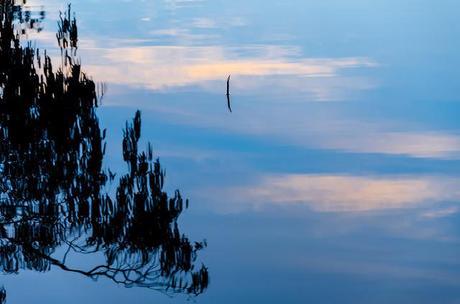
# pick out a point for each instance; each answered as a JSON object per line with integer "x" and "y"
{"x": 415, "y": 144}
{"x": 342, "y": 193}
{"x": 208, "y": 23}
{"x": 183, "y": 35}
{"x": 169, "y": 67}
{"x": 444, "y": 212}
{"x": 258, "y": 68}
{"x": 205, "y": 23}
{"x": 177, "y": 4}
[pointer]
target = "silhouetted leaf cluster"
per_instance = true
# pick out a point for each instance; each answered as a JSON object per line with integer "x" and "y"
{"x": 52, "y": 183}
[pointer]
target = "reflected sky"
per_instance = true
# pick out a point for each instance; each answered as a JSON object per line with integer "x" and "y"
{"x": 335, "y": 179}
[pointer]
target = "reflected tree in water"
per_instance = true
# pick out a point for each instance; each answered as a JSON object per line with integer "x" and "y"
{"x": 55, "y": 203}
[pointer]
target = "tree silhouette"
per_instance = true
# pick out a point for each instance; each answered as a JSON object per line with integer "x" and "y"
{"x": 52, "y": 183}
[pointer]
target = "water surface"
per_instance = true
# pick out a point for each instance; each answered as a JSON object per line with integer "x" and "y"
{"x": 335, "y": 179}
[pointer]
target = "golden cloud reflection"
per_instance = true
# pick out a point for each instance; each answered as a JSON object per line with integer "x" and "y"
{"x": 342, "y": 193}
{"x": 167, "y": 67}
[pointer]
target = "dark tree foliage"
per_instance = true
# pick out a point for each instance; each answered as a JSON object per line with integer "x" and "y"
{"x": 52, "y": 182}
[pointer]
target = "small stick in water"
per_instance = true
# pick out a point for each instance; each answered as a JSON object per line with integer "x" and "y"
{"x": 228, "y": 94}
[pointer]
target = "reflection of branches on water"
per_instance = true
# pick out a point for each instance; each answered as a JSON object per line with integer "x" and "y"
{"x": 52, "y": 185}
{"x": 19, "y": 18}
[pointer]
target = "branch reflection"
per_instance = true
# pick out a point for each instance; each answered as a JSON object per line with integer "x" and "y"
{"x": 54, "y": 202}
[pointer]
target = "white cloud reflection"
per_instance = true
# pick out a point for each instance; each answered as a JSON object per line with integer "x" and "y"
{"x": 415, "y": 144}
{"x": 343, "y": 193}
{"x": 439, "y": 213}
{"x": 178, "y": 4}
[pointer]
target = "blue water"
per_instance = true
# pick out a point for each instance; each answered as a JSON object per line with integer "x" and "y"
{"x": 336, "y": 178}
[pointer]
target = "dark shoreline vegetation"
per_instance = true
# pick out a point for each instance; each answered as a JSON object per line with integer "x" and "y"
{"x": 52, "y": 181}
